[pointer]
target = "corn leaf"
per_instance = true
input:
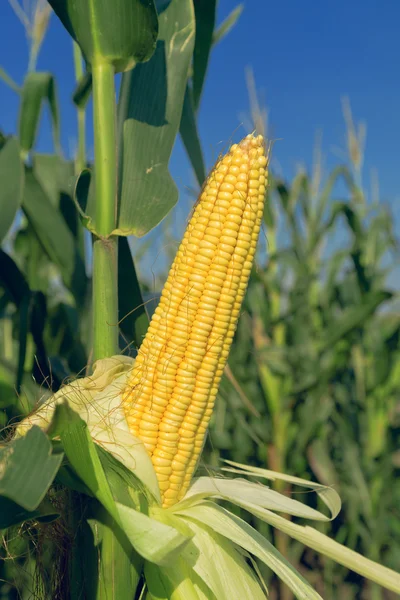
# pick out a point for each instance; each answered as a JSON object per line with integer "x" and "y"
{"x": 149, "y": 114}
{"x": 323, "y": 544}
{"x": 178, "y": 582}
{"x": 133, "y": 316}
{"x": 244, "y": 536}
{"x": 328, "y": 495}
{"x": 31, "y": 308}
{"x": 217, "y": 561}
{"x": 54, "y": 175}
{"x": 12, "y": 514}
{"x": 352, "y": 317}
{"x": 155, "y": 541}
{"x": 8, "y": 80}
{"x": 29, "y": 390}
{"x": 243, "y": 491}
{"x": 121, "y": 32}
{"x": 12, "y": 178}
{"x": 227, "y": 24}
{"x": 27, "y": 469}
{"x": 158, "y": 588}
{"x": 115, "y": 570}
{"x": 38, "y": 88}
{"x": 205, "y": 21}
{"x": 83, "y": 90}
{"x": 54, "y": 235}
{"x": 190, "y": 136}
{"x": 82, "y": 454}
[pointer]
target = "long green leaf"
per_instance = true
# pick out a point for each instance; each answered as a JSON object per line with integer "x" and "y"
{"x": 219, "y": 564}
{"x": 55, "y": 175}
{"x": 227, "y": 25}
{"x": 353, "y": 317}
{"x": 190, "y": 137}
{"x": 54, "y": 235}
{"x": 8, "y": 80}
{"x": 27, "y": 469}
{"x": 38, "y": 88}
{"x": 122, "y": 32}
{"x": 324, "y": 545}
{"x": 83, "y": 90}
{"x": 242, "y": 534}
{"x": 82, "y": 454}
{"x": 133, "y": 316}
{"x": 14, "y": 282}
{"x": 155, "y": 541}
{"x": 149, "y": 114}
{"x": 12, "y": 514}
{"x": 12, "y": 184}
{"x": 205, "y": 21}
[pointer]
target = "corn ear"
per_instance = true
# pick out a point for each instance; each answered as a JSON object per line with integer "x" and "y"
{"x": 172, "y": 388}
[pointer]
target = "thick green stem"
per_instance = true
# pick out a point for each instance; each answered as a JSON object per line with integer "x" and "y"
{"x": 118, "y": 565}
{"x": 105, "y": 298}
{"x": 105, "y": 248}
{"x": 80, "y": 160}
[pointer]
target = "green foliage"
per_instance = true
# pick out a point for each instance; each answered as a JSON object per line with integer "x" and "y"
{"x": 12, "y": 178}
{"x": 313, "y": 381}
{"x": 149, "y": 113}
{"x": 54, "y": 235}
{"x": 135, "y": 321}
{"x": 28, "y": 470}
{"x": 37, "y": 88}
{"x": 123, "y": 32}
{"x": 316, "y": 360}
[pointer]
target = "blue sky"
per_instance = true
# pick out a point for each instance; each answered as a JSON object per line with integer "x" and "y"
{"x": 305, "y": 56}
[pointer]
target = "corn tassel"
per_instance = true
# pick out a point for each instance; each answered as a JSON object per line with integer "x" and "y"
{"x": 171, "y": 392}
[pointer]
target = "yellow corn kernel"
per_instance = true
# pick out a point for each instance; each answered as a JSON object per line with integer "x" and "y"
{"x": 170, "y": 395}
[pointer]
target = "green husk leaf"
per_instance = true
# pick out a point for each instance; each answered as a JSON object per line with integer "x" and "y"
{"x": 243, "y": 491}
{"x": 178, "y": 582}
{"x": 328, "y": 495}
{"x": 155, "y": 541}
{"x": 97, "y": 400}
{"x": 240, "y": 533}
{"x": 82, "y": 453}
{"x": 217, "y": 561}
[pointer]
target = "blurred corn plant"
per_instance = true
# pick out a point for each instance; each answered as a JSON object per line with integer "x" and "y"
{"x": 313, "y": 381}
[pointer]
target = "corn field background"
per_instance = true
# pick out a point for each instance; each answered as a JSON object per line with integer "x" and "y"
{"x": 312, "y": 387}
